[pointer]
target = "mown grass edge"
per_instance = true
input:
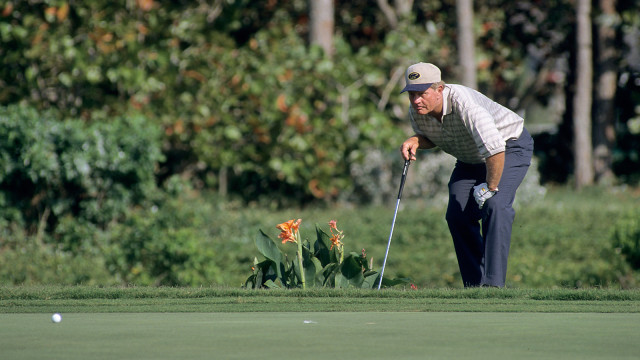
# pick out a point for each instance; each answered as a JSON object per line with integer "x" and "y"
{"x": 37, "y": 299}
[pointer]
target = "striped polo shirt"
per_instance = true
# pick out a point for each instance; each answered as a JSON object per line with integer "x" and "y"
{"x": 473, "y": 127}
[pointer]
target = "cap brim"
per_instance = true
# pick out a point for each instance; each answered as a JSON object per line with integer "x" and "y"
{"x": 416, "y": 87}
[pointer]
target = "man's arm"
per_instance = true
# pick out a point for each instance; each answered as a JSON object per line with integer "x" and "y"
{"x": 495, "y": 165}
{"x": 412, "y": 144}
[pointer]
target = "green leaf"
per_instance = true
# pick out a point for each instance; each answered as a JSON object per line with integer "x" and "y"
{"x": 232, "y": 133}
{"x": 251, "y": 282}
{"x": 318, "y": 276}
{"x": 326, "y": 253}
{"x": 271, "y": 285}
{"x": 370, "y": 278}
{"x": 341, "y": 282}
{"x": 269, "y": 249}
{"x": 329, "y": 272}
{"x": 350, "y": 273}
{"x": 311, "y": 266}
{"x": 322, "y": 246}
{"x": 386, "y": 282}
{"x": 292, "y": 275}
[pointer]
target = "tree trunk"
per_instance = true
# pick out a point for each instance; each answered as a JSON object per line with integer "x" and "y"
{"x": 322, "y": 25}
{"x": 466, "y": 43}
{"x": 604, "y": 136}
{"x": 582, "y": 101}
{"x": 402, "y": 10}
{"x": 403, "y": 7}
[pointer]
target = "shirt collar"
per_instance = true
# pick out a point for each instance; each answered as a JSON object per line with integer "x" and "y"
{"x": 446, "y": 101}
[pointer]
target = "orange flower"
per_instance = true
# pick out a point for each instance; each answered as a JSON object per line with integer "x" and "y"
{"x": 336, "y": 236}
{"x": 335, "y": 241}
{"x": 289, "y": 230}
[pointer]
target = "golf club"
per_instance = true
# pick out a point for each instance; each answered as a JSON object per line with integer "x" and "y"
{"x": 404, "y": 177}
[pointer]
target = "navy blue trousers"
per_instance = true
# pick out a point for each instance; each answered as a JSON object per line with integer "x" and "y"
{"x": 482, "y": 237}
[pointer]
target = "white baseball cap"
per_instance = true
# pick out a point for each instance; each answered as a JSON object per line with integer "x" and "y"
{"x": 420, "y": 76}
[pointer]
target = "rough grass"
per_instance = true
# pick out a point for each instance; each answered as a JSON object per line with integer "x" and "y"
{"x": 82, "y": 299}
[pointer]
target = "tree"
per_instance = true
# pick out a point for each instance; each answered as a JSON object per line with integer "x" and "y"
{"x": 322, "y": 25}
{"x": 604, "y": 135}
{"x": 466, "y": 42}
{"x": 402, "y": 9}
{"x": 582, "y": 100}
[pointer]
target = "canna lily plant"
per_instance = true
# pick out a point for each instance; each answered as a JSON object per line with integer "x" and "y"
{"x": 319, "y": 264}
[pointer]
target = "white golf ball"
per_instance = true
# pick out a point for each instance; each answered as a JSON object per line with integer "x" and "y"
{"x": 56, "y": 318}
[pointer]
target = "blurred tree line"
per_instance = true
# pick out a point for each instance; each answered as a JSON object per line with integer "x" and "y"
{"x": 252, "y": 102}
{"x": 112, "y": 111}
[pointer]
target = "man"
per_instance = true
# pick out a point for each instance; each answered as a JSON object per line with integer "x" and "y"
{"x": 493, "y": 152}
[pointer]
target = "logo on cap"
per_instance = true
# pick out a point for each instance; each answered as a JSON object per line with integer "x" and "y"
{"x": 414, "y": 76}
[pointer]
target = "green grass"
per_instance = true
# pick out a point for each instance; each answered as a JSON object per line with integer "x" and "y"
{"x": 146, "y": 299}
{"x": 321, "y": 335}
{"x": 231, "y": 323}
{"x": 314, "y": 335}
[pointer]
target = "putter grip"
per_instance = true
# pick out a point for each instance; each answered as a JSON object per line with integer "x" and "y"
{"x": 404, "y": 177}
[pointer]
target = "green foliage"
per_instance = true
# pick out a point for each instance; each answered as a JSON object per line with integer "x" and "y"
{"x": 323, "y": 265}
{"x": 626, "y": 238}
{"x": 573, "y": 248}
{"x": 53, "y": 169}
{"x": 27, "y": 260}
{"x": 246, "y": 105}
{"x": 258, "y": 111}
{"x": 293, "y": 119}
{"x": 213, "y": 243}
{"x": 238, "y": 102}
{"x": 164, "y": 245}
{"x": 170, "y": 241}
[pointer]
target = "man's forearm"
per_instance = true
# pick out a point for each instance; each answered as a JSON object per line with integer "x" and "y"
{"x": 423, "y": 142}
{"x": 412, "y": 144}
{"x": 495, "y": 165}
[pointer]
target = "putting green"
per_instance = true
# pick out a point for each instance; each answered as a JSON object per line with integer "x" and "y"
{"x": 321, "y": 335}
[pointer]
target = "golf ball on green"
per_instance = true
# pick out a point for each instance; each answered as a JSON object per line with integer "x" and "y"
{"x": 56, "y": 318}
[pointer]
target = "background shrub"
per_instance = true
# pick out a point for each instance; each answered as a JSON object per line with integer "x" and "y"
{"x": 196, "y": 239}
{"x": 626, "y": 238}
{"x": 92, "y": 172}
{"x": 28, "y": 260}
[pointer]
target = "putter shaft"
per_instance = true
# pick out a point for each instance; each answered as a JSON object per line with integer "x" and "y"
{"x": 393, "y": 223}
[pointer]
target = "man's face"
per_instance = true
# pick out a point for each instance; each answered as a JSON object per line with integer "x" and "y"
{"x": 426, "y": 102}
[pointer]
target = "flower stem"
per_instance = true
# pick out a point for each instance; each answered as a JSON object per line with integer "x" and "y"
{"x": 304, "y": 285}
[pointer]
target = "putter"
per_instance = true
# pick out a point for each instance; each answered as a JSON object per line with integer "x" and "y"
{"x": 404, "y": 177}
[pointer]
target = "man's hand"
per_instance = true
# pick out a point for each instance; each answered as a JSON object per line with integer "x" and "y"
{"x": 410, "y": 146}
{"x": 482, "y": 193}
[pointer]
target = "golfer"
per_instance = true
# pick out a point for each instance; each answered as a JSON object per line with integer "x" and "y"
{"x": 493, "y": 152}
